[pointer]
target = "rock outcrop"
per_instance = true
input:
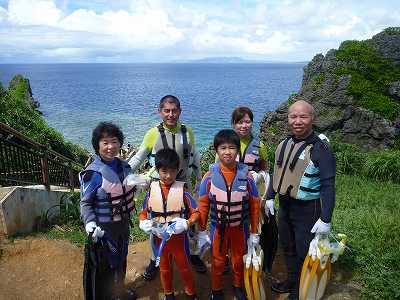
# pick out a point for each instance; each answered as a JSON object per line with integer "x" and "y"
{"x": 339, "y": 111}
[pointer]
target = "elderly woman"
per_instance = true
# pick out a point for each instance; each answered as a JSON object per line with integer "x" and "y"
{"x": 106, "y": 208}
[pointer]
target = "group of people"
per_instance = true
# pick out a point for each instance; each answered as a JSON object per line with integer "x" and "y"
{"x": 225, "y": 199}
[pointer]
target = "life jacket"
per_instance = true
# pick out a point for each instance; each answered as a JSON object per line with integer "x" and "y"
{"x": 162, "y": 209}
{"x": 229, "y": 206}
{"x": 294, "y": 172}
{"x": 251, "y": 155}
{"x": 177, "y": 141}
{"x": 114, "y": 199}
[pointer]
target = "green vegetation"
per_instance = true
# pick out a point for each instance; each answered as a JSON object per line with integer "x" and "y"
{"x": 292, "y": 98}
{"x": 68, "y": 224}
{"x": 379, "y": 165}
{"x": 17, "y": 112}
{"x": 367, "y": 211}
{"x": 371, "y": 75}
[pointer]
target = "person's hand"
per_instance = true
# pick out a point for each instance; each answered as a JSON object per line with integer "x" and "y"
{"x": 321, "y": 227}
{"x": 269, "y": 207}
{"x": 203, "y": 240}
{"x": 96, "y": 231}
{"x": 146, "y": 225}
{"x": 90, "y": 227}
{"x": 181, "y": 225}
{"x": 254, "y": 239}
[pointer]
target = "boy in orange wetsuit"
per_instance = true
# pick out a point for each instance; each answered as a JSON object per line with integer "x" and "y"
{"x": 229, "y": 191}
{"x": 167, "y": 202}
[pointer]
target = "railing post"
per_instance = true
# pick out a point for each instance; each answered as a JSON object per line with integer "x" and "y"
{"x": 45, "y": 170}
{"x": 71, "y": 175}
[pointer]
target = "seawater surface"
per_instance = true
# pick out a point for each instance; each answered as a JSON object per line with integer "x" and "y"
{"x": 75, "y": 97}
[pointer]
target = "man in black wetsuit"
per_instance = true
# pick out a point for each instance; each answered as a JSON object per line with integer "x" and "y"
{"x": 304, "y": 178}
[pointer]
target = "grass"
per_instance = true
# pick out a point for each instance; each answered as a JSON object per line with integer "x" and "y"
{"x": 367, "y": 211}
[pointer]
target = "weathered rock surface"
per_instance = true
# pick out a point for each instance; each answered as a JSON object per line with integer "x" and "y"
{"x": 336, "y": 112}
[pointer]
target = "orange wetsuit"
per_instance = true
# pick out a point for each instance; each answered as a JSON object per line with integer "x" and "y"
{"x": 177, "y": 246}
{"x": 234, "y": 236}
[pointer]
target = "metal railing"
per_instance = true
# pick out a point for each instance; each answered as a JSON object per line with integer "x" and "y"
{"x": 25, "y": 162}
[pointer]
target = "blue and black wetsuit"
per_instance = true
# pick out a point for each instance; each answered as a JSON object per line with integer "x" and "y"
{"x": 297, "y": 216}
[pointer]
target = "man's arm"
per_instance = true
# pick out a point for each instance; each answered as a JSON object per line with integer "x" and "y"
{"x": 326, "y": 162}
{"x": 149, "y": 140}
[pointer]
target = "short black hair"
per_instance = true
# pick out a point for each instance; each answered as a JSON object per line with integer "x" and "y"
{"x": 239, "y": 114}
{"x": 106, "y": 129}
{"x": 169, "y": 99}
{"x": 167, "y": 158}
{"x": 226, "y": 136}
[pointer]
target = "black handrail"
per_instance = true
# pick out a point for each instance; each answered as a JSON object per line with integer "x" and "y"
{"x": 24, "y": 161}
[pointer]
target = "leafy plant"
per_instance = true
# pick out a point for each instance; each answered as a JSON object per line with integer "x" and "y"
{"x": 370, "y": 75}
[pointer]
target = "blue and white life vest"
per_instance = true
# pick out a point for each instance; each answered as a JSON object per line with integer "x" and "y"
{"x": 251, "y": 155}
{"x": 114, "y": 199}
{"x": 229, "y": 205}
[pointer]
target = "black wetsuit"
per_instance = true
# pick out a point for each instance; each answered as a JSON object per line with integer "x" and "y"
{"x": 297, "y": 217}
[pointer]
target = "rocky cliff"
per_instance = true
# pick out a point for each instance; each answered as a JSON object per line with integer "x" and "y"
{"x": 355, "y": 91}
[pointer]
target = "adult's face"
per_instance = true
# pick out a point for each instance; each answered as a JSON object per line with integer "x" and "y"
{"x": 300, "y": 119}
{"x": 109, "y": 148}
{"x": 243, "y": 126}
{"x": 170, "y": 113}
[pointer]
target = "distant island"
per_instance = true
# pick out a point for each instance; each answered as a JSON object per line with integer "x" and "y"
{"x": 232, "y": 60}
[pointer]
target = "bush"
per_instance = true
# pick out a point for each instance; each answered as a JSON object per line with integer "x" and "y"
{"x": 17, "y": 112}
{"x": 383, "y": 165}
{"x": 349, "y": 158}
{"x": 207, "y": 158}
{"x": 370, "y": 77}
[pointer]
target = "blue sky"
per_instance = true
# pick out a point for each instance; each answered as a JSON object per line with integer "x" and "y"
{"x": 34, "y": 31}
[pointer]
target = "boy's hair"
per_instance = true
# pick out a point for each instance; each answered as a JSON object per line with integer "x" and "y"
{"x": 167, "y": 158}
{"x": 170, "y": 99}
{"x": 239, "y": 114}
{"x": 226, "y": 136}
{"x": 106, "y": 129}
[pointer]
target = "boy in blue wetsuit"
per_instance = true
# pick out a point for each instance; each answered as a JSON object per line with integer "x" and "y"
{"x": 106, "y": 207}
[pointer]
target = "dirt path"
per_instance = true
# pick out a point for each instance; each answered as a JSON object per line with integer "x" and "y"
{"x": 34, "y": 268}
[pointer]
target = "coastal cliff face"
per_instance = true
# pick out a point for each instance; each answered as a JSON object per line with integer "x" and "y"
{"x": 18, "y": 109}
{"x": 355, "y": 91}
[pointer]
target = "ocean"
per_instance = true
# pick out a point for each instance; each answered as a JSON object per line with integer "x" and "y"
{"x": 75, "y": 97}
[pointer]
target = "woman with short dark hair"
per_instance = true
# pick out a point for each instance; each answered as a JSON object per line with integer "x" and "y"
{"x": 106, "y": 208}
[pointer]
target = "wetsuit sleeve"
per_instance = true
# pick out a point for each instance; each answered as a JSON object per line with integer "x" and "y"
{"x": 323, "y": 157}
{"x": 145, "y": 148}
{"x": 254, "y": 204}
{"x": 90, "y": 182}
{"x": 204, "y": 202}
{"x": 143, "y": 214}
{"x": 190, "y": 203}
{"x": 270, "y": 194}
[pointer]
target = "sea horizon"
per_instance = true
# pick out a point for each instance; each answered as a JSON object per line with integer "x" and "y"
{"x": 74, "y": 97}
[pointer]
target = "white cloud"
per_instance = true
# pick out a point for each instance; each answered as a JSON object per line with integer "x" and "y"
{"x": 170, "y": 29}
{"x": 31, "y": 12}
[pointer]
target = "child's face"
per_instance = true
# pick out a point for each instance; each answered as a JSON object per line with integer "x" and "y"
{"x": 109, "y": 148}
{"x": 227, "y": 154}
{"x": 167, "y": 175}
